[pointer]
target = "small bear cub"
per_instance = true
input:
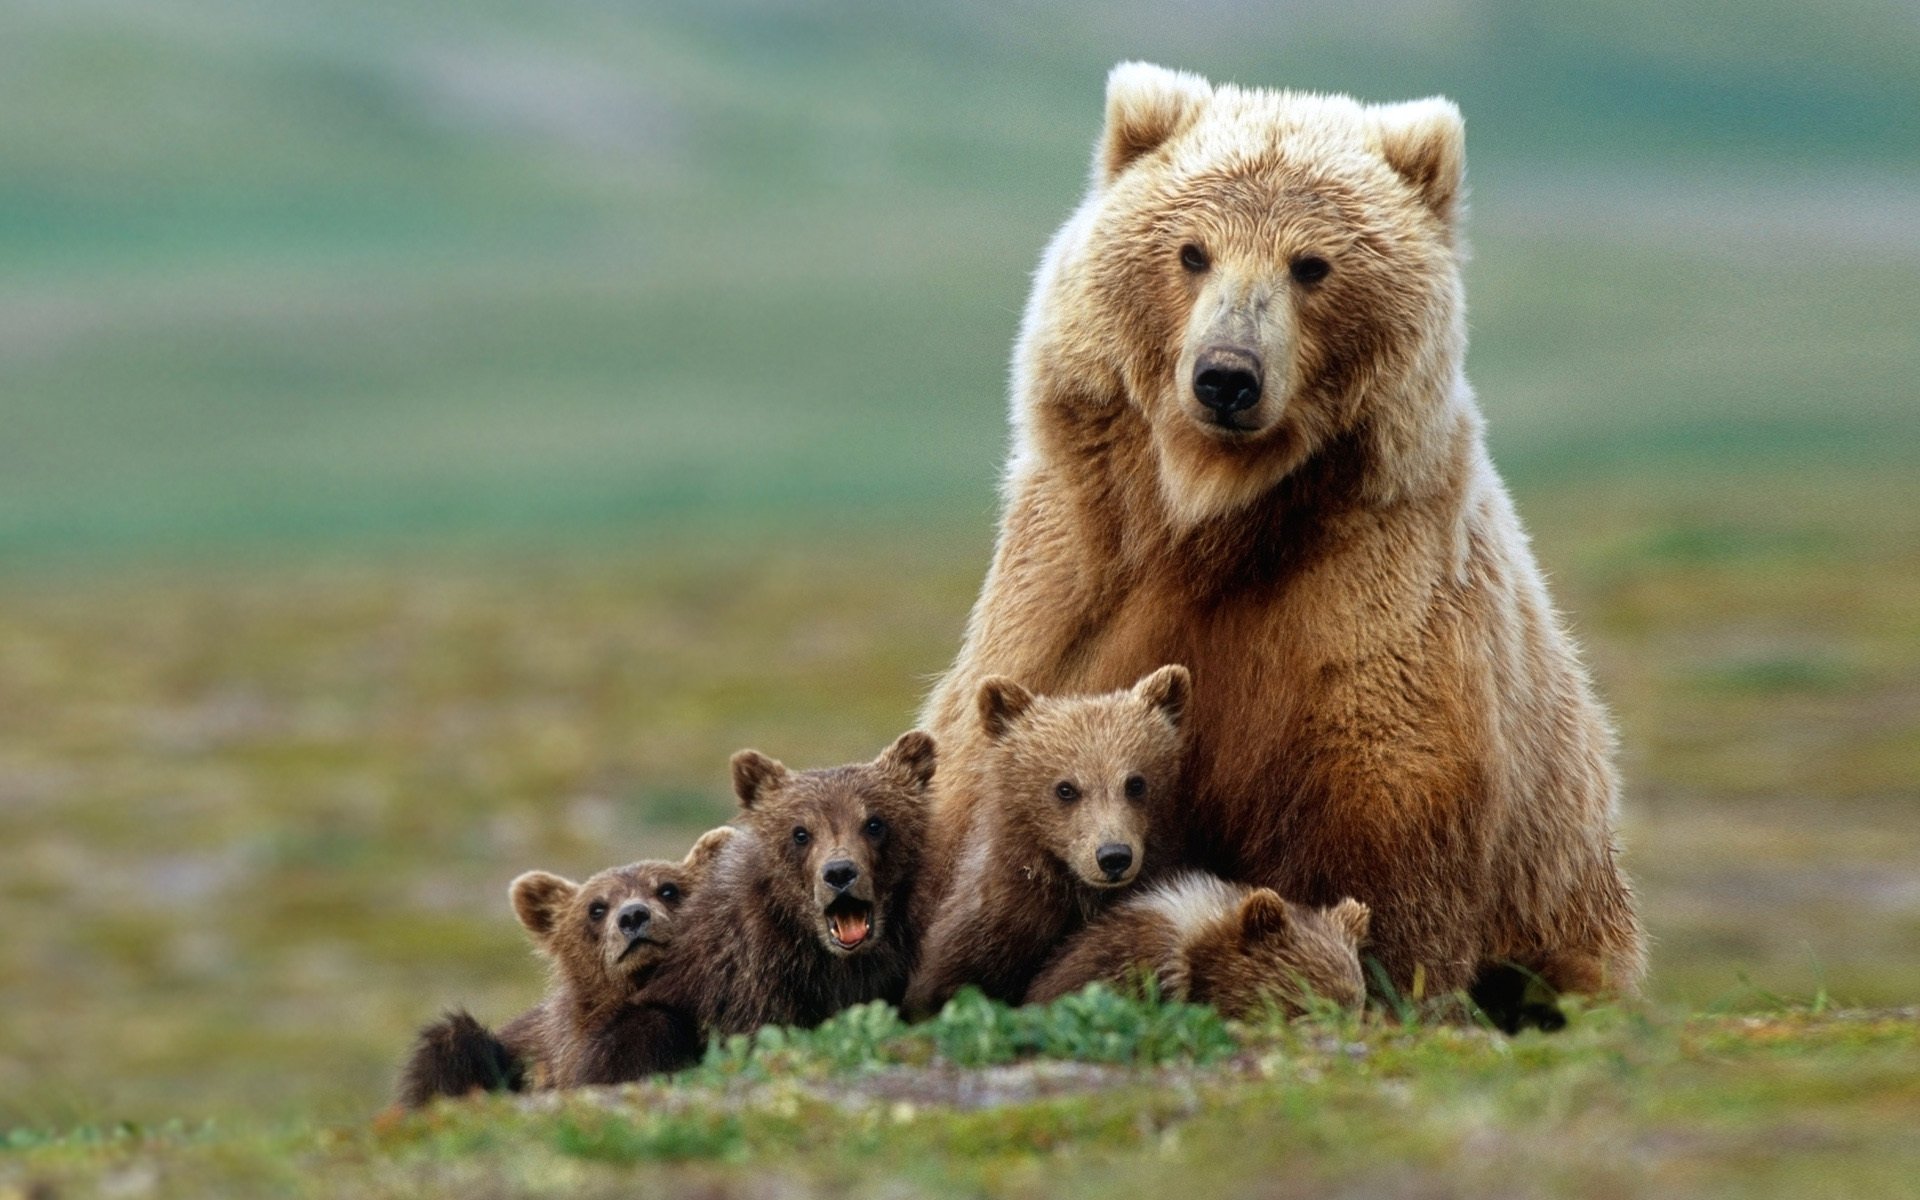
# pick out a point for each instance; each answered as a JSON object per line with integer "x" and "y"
{"x": 604, "y": 938}
{"x": 1242, "y": 949}
{"x": 807, "y": 911}
{"x": 1060, "y": 824}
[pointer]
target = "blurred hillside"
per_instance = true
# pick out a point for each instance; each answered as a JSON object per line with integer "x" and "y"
{"x": 280, "y": 274}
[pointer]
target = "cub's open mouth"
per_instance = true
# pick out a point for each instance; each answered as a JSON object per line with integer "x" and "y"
{"x": 849, "y": 922}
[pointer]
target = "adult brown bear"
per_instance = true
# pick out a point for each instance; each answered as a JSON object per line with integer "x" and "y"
{"x": 1244, "y": 442}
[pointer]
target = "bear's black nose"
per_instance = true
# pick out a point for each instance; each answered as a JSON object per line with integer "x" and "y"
{"x": 1226, "y": 379}
{"x": 1114, "y": 858}
{"x": 840, "y": 874}
{"x": 633, "y": 917}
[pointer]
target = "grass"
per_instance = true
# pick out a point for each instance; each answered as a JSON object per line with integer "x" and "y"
{"x": 1624, "y": 1103}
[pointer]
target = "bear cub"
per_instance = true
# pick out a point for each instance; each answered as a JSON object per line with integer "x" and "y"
{"x": 1061, "y": 823}
{"x": 805, "y": 912}
{"x": 604, "y": 939}
{"x": 1242, "y": 949}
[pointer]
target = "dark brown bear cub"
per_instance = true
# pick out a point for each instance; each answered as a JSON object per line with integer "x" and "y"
{"x": 1242, "y": 949}
{"x": 806, "y": 912}
{"x": 605, "y": 939}
{"x": 1059, "y": 823}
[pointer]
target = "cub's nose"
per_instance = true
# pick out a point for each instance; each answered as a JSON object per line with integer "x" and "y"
{"x": 1226, "y": 379}
{"x": 840, "y": 874}
{"x": 1114, "y": 859}
{"x": 633, "y": 917}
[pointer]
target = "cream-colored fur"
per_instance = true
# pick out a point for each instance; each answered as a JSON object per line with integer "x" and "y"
{"x": 1385, "y": 704}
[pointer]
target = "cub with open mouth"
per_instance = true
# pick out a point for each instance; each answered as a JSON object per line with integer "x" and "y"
{"x": 1055, "y": 824}
{"x": 806, "y": 911}
{"x": 605, "y": 938}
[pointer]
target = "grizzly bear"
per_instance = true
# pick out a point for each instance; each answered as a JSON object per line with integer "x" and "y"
{"x": 1244, "y": 441}
{"x": 603, "y": 938}
{"x": 808, "y": 910}
{"x": 1198, "y": 938}
{"x": 1064, "y": 821}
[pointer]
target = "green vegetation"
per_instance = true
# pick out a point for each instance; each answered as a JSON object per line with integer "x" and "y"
{"x": 1623, "y": 1104}
{"x": 433, "y": 442}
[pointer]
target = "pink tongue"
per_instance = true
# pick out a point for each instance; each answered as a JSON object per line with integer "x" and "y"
{"x": 850, "y": 929}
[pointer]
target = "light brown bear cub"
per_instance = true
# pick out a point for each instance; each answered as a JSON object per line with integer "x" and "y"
{"x": 1066, "y": 801}
{"x": 605, "y": 938}
{"x": 806, "y": 912}
{"x": 1242, "y": 949}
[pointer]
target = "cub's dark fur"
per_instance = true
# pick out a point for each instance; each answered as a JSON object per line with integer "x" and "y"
{"x": 605, "y": 938}
{"x": 806, "y": 912}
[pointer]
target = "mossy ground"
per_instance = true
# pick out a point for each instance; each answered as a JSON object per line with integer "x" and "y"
{"x": 1623, "y": 1103}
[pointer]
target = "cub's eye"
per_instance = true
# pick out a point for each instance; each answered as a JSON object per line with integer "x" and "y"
{"x": 1066, "y": 791}
{"x": 1310, "y": 268}
{"x": 1194, "y": 259}
{"x": 597, "y": 911}
{"x": 800, "y": 836}
{"x": 669, "y": 893}
{"x": 1136, "y": 786}
{"x": 875, "y": 827}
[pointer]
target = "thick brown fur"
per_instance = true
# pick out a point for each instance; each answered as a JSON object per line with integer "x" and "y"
{"x": 769, "y": 920}
{"x": 597, "y": 965}
{"x": 1198, "y": 938}
{"x": 1386, "y": 705}
{"x": 1067, "y": 778}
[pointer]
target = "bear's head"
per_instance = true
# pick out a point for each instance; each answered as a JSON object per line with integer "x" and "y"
{"x": 1275, "y": 955}
{"x": 836, "y": 850}
{"x": 604, "y": 936}
{"x": 1078, "y": 776}
{"x": 1261, "y": 275}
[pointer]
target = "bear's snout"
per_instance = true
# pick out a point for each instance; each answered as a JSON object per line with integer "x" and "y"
{"x": 1226, "y": 381}
{"x": 840, "y": 874}
{"x": 633, "y": 918}
{"x": 1114, "y": 858}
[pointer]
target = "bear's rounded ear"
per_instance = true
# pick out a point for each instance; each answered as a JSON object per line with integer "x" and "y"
{"x": 1263, "y": 915}
{"x": 1146, "y": 105}
{"x": 1167, "y": 690}
{"x": 538, "y": 898}
{"x": 1425, "y": 142}
{"x": 753, "y": 774}
{"x": 1352, "y": 918}
{"x": 910, "y": 759}
{"x": 1001, "y": 702}
{"x": 708, "y": 848}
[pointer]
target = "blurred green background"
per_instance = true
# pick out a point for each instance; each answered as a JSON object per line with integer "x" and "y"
{"x": 432, "y": 438}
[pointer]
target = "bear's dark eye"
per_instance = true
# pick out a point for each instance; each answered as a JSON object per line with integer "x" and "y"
{"x": 1310, "y": 268}
{"x": 669, "y": 893}
{"x": 875, "y": 827}
{"x": 1194, "y": 259}
{"x": 597, "y": 910}
{"x": 1066, "y": 791}
{"x": 1136, "y": 786}
{"x": 800, "y": 836}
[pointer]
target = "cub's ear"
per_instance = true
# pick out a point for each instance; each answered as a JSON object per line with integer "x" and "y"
{"x": 538, "y": 900}
{"x": 754, "y": 775}
{"x": 910, "y": 759}
{"x": 1167, "y": 690}
{"x": 708, "y": 848}
{"x": 1354, "y": 918}
{"x": 1263, "y": 915}
{"x": 1146, "y": 105}
{"x": 1425, "y": 142}
{"x": 1001, "y": 702}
